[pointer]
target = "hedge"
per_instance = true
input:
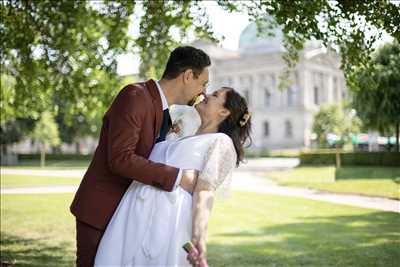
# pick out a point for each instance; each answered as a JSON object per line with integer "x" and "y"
{"x": 55, "y": 157}
{"x": 352, "y": 158}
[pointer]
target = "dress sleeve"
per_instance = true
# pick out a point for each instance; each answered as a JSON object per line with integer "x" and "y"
{"x": 219, "y": 162}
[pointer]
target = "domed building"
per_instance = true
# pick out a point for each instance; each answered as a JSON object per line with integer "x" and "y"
{"x": 281, "y": 119}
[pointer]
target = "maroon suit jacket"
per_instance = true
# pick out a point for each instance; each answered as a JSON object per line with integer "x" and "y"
{"x": 128, "y": 134}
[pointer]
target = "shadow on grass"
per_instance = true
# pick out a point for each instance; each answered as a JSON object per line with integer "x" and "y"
{"x": 365, "y": 240}
{"x": 368, "y": 173}
{"x": 17, "y": 251}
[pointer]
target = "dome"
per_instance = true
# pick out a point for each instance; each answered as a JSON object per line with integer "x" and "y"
{"x": 251, "y": 43}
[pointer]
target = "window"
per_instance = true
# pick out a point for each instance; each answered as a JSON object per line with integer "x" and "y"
{"x": 288, "y": 129}
{"x": 267, "y": 97}
{"x": 316, "y": 95}
{"x": 266, "y": 129}
{"x": 297, "y": 78}
{"x": 251, "y": 80}
{"x": 246, "y": 95}
{"x": 261, "y": 79}
{"x": 335, "y": 90}
{"x": 291, "y": 96}
{"x": 230, "y": 81}
{"x": 344, "y": 95}
{"x": 272, "y": 81}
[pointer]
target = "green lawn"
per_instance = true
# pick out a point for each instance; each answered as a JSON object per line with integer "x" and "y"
{"x": 373, "y": 181}
{"x": 51, "y": 164}
{"x": 13, "y": 180}
{"x": 247, "y": 229}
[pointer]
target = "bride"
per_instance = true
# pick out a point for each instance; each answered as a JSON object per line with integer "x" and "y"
{"x": 150, "y": 226}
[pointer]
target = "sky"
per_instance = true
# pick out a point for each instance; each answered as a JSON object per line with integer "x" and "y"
{"x": 219, "y": 18}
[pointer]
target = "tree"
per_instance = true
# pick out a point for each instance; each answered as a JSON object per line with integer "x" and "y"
{"x": 62, "y": 54}
{"x": 161, "y": 19}
{"x": 63, "y": 50}
{"x": 331, "y": 119}
{"x": 14, "y": 131}
{"x": 343, "y": 25}
{"x": 46, "y": 132}
{"x": 375, "y": 91}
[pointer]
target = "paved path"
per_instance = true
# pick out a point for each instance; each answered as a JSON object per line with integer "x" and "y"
{"x": 261, "y": 164}
{"x": 246, "y": 178}
{"x": 251, "y": 182}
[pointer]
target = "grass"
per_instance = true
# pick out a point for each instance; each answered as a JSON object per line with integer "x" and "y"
{"x": 51, "y": 164}
{"x": 247, "y": 229}
{"x": 37, "y": 230}
{"x": 14, "y": 180}
{"x": 372, "y": 181}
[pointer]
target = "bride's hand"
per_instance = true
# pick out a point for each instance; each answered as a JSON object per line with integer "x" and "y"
{"x": 198, "y": 258}
{"x": 202, "y": 248}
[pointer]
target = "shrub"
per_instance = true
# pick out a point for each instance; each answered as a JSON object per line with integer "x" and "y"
{"x": 352, "y": 158}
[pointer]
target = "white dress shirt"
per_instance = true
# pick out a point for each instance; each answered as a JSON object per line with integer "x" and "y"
{"x": 164, "y": 107}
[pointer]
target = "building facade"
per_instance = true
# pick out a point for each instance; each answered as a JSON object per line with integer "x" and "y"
{"x": 281, "y": 118}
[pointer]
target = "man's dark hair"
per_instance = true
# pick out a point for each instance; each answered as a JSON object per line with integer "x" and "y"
{"x": 184, "y": 58}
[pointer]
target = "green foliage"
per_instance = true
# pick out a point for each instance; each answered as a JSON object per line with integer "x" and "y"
{"x": 46, "y": 131}
{"x": 62, "y": 51}
{"x": 14, "y": 130}
{"x": 342, "y": 25}
{"x": 375, "y": 90}
{"x": 7, "y": 85}
{"x": 331, "y": 119}
{"x": 352, "y": 158}
{"x": 60, "y": 56}
{"x": 163, "y": 26}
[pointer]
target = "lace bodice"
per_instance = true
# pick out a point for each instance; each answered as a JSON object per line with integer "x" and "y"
{"x": 219, "y": 162}
{"x": 213, "y": 155}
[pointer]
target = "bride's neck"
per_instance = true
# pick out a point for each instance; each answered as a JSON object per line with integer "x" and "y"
{"x": 207, "y": 127}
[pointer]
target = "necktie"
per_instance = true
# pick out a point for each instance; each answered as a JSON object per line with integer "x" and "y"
{"x": 164, "y": 126}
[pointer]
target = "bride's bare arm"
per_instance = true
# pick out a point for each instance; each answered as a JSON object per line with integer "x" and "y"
{"x": 203, "y": 199}
{"x": 220, "y": 160}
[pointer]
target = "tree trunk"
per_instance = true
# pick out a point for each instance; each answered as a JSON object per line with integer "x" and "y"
{"x": 43, "y": 156}
{"x": 4, "y": 149}
{"x": 338, "y": 162}
{"x": 389, "y": 145}
{"x": 78, "y": 147}
{"x": 397, "y": 137}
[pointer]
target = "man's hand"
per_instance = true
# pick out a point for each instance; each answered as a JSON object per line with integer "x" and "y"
{"x": 189, "y": 180}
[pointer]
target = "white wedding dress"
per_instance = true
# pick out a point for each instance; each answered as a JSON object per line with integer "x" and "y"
{"x": 150, "y": 226}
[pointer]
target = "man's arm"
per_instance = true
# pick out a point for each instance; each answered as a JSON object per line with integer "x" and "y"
{"x": 125, "y": 122}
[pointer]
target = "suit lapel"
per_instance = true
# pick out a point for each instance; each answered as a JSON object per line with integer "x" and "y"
{"x": 157, "y": 105}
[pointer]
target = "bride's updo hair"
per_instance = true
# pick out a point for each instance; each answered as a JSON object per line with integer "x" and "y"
{"x": 238, "y": 124}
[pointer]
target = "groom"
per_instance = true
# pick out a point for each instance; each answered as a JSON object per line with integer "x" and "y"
{"x": 136, "y": 120}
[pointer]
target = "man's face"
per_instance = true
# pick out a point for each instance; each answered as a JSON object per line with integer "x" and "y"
{"x": 196, "y": 86}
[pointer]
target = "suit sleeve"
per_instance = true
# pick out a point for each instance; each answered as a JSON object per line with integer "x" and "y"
{"x": 125, "y": 119}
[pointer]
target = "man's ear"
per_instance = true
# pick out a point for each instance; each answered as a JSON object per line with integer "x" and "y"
{"x": 187, "y": 76}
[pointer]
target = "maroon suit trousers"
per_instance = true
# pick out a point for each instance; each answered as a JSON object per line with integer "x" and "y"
{"x": 87, "y": 241}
